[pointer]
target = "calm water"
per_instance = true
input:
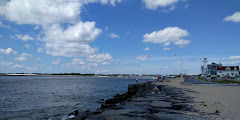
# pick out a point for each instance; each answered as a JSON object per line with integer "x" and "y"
{"x": 34, "y": 97}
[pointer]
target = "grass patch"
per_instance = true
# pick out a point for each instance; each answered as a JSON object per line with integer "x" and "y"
{"x": 203, "y": 79}
{"x": 226, "y": 81}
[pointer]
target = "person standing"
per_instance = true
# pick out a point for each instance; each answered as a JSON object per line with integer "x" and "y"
{"x": 136, "y": 80}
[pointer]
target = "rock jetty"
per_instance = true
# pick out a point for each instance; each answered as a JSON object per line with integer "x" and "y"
{"x": 139, "y": 103}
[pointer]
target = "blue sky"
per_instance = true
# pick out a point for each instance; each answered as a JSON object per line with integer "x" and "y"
{"x": 117, "y": 36}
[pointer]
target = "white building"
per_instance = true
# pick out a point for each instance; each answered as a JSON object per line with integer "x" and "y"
{"x": 230, "y": 71}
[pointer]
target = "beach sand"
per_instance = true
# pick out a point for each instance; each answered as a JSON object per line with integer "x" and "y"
{"x": 222, "y": 98}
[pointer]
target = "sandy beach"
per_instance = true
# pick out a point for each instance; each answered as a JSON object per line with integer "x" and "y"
{"x": 222, "y": 98}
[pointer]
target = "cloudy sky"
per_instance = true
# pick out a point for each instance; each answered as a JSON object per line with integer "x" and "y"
{"x": 117, "y": 36}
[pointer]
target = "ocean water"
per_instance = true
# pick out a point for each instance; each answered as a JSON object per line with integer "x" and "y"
{"x": 32, "y": 97}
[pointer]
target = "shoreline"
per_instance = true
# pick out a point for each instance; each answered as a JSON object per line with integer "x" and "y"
{"x": 139, "y": 103}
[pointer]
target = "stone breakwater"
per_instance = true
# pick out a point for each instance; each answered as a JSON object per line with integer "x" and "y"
{"x": 138, "y": 103}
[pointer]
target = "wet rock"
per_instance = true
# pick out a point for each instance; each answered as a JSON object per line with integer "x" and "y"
{"x": 113, "y": 117}
{"x": 100, "y": 101}
{"x": 165, "y": 116}
{"x": 117, "y": 112}
{"x": 161, "y": 104}
{"x": 111, "y": 101}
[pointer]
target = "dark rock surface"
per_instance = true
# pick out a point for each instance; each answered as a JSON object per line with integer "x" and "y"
{"x": 138, "y": 103}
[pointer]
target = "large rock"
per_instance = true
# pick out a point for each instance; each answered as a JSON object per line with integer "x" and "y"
{"x": 113, "y": 117}
{"x": 164, "y": 116}
{"x": 161, "y": 104}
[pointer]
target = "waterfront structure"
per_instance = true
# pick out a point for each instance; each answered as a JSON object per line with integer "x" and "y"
{"x": 231, "y": 71}
{"x": 218, "y": 70}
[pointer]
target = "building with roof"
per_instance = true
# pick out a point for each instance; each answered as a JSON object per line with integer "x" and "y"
{"x": 215, "y": 70}
{"x": 230, "y": 71}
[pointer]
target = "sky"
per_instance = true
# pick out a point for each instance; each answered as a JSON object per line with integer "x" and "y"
{"x": 117, "y": 36}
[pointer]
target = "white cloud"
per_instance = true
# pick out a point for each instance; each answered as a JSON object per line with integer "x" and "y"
{"x": 142, "y": 57}
{"x": 104, "y": 58}
{"x": 187, "y": 6}
{"x": 27, "y": 46}
{"x": 172, "y": 8}
{"x": 112, "y": 2}
{"x": 102, "y": 71}
{"x": 147, "y": 49}
{"x": 39, "y": 49}
{"x": 43, "y": 12}
{"x": 113, "y": 35}
{"x": 57, "y": 61}
{"x": 23, "y": 57}
{"x": 2, "y": 25}
{"x": 234, "y": 57}
{"x": 71, "y": 42}
{"x": 78, "y": 61}
{"x": 166, "y": 48}
{"x": 8, "y": 51}
{"x": 118, "y": 60}
{"x": 106, "y": 28}
{"x": 182, "y": 43}
{"x": 18, "y": 66}
{"x": 234, "y": 18}
{"x": 166, "y": 44}
{"x": 24, "y": 37}
{"x": 154, "y": 4}
{"x": 168, "y": 35}
{"x": 3, "y": 64}
{"x": 36, "y": 27}
{"x": 37, "y": 58}
{"x": 32, "y": 68}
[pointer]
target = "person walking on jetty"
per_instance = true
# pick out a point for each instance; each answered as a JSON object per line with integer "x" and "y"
{"x": 136, "y": 80}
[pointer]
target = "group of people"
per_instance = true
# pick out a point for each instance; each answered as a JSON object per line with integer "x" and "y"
{"x": 156, "y": 90}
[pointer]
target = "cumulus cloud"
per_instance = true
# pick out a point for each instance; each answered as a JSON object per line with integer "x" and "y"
{"x": 78, "y": 61}
{"x": 154, "y": 4}
{"x": 24, "y": 37}
{"x": 57, "y": 61}
{"x": 234, "y": 18}
{"x": 23, "y": 57}
{"x": 187, "y": 6}
{"x": 71, "y": 42}
{"x": 1, "y": 24}
{"x": 112, "y": 2}
{"x": 234, "y": 57}
{"x": 166, "y": 48}
{"x": 8, "y": 51}
{"x": 18, "y": 66}
{"x": 3, "y": 64}
{"x": 32, "y": 68}
{"x": 147, "y": 49}
{"x": 172, "y": 8}
{"x": 142, "y": 57}
{"x": 113, "y": 35}
{"x": 80, "y": 64}
{"x": 168, "y": 35}
{"x": 39, "y": 49}
{"x": 182, "y": 42}
{"x": 27, "y": 46}
{"x": 104, "y": 58}
{"x": 42, "y": 12}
